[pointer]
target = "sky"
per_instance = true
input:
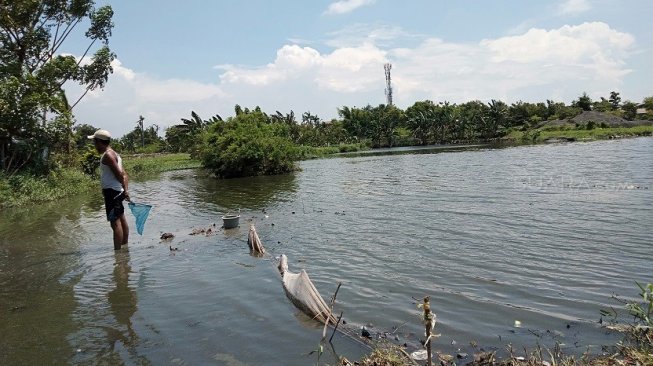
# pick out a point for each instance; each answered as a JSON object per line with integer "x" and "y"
{"x": 174, "y": 57}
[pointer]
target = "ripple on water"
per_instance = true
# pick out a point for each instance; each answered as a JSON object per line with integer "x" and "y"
{"x": 539, "y": 234}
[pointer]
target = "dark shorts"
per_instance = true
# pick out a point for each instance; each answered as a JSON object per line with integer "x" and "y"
{"x": 113, "y": 204}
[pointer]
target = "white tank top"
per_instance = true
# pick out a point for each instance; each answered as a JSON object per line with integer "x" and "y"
{"x": 107, "y": 179}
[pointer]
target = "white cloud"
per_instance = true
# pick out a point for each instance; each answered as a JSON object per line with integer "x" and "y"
{"x": 129, "y": 94}
{"x": 535, "y": 65}
{"x": 590, "y": 56}
{"x": 345, "y": 70}
{"x": 574, "y": 6}
{"x": 378, "y": 34}
{"x": 346, "y": 6}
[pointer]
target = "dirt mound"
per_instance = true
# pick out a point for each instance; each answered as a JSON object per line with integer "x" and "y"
{"x": 598, "y": 118}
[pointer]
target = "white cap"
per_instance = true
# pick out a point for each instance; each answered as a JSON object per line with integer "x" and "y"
{"x": 100, "y": 135}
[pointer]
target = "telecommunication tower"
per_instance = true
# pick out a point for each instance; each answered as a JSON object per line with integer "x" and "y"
{"x": 388, "y": 82}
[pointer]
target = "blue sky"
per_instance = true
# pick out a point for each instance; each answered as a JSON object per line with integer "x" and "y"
{"x": 174, "y": 57}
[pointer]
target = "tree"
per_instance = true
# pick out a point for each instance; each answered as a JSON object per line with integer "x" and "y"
{"x": 419, "y": 118}
{"x": 647, "y": 104}
{"x": 554, "y": 110}
{"x": 497, "y": 115}
{"x": 357, "y": 121}
{"x": 602, "y": 106}
{"x": 584, "y": 102}
{"x": 247, "y": 145}
{"x": 81, "y": 133}
{"x": 186, "y": 137}
{"x": 386, "y": 119}
{"x": 142, "y": 139}
{"x": 310, "y": 119}
{"x": 615, "y": 100}
{"x": 33, "y": 105}
{"x": 630, "y": 110}
{"x": 518, "y": 113}
{"x": 178, "y": 139}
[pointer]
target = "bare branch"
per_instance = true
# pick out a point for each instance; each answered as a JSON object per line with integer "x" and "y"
{"x": 79, "y": 99}
{"x": 67, "y": 31}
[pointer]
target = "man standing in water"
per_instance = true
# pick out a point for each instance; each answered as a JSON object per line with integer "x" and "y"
{"x": 113, "y": 180}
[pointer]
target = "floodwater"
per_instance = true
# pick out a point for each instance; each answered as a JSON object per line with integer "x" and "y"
{"x": 542, "y": 235}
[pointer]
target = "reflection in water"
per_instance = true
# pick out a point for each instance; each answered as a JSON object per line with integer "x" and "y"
{"x": 38, "y": 246}
{"x": 246, "y": 193}
{"x": 122, "y": 300}
{"x": 412, "y": 150}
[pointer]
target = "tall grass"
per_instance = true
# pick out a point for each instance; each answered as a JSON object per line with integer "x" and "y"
{"x": 21, "y": 189}
{"x": 312, "y": 152}
{"x": 144, "y": 165}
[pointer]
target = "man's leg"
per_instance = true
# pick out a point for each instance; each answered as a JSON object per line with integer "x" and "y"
{"x": 117, "y": 234}
{"x": 125, "y": 229}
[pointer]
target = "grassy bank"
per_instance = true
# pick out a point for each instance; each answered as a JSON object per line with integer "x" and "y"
{"x": 21, "y": 189}
{"x": 569, "y": 133}
{"x": 391, "y": 355}
{"x": 148, "y": 164}
{"x": 311, "y": 152}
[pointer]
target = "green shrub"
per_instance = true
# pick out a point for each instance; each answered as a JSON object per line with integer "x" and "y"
{"x": 90, "y": 161}
{"x": 247, "y": 145}
{"x": 590, "y": 125}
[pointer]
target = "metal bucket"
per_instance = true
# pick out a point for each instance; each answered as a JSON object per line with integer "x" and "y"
{"x": 230, "y": 221}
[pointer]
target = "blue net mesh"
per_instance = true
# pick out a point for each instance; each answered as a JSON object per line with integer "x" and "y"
{"x": 140, "y": 212}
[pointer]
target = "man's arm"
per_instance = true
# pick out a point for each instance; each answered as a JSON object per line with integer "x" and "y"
{"x": 111, "y": 160}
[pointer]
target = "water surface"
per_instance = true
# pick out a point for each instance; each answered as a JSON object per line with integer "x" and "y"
{"x": 540, "y": 234}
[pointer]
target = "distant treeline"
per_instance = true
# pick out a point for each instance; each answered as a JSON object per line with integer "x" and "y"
{"x": 307, "y": 135}
{"x": 253, "y": 142}
{"x": 425, "y": 122}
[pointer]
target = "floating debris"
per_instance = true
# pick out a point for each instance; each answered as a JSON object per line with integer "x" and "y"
{"x": 419, "y": 355}
{"x": 197, "y": 231}
{"x": 167, "y": 236}
{"x": 173, "y": 249}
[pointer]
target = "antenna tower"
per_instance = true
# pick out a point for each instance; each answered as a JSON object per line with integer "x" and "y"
{"x": 388, "y": 83}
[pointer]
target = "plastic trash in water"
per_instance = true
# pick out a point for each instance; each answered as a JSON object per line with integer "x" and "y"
{"x": 419, "y": 355}
{"x": 140, "y": 212}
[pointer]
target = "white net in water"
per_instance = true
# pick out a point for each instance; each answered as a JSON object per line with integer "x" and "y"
{"x": 254, "y": 243}
{"x": 303, "y": 294}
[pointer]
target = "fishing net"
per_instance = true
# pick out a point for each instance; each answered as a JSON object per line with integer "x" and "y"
{"x": 303, "y": 294}
{"x": 254, "y": 242}
{"x": 140, "y": 212}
